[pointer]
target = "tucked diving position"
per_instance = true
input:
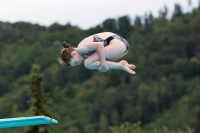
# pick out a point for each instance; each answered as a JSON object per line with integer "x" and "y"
{"x": 98, "y": 52}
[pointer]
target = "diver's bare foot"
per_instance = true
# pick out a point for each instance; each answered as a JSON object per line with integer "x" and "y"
{"x": 131, "y": 66}
{"x": 126, "y": 67}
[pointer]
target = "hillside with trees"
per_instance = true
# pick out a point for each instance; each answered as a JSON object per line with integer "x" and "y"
{"x": 164, "y": 92}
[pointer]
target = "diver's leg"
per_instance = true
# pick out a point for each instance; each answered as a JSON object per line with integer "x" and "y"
{"x": 122, "y": 65}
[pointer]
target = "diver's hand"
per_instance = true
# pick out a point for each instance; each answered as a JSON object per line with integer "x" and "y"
{"x": 103, "y": 67}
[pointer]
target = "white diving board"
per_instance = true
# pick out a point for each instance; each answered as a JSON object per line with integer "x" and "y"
{"x": 26, "y": 121}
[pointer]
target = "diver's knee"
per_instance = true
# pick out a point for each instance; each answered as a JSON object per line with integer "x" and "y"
{"x": 87, "y": 64}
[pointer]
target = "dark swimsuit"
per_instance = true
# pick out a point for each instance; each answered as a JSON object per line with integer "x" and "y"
{"x": 107, "y": 41}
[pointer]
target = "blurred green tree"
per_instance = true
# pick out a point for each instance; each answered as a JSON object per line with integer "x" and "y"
{"x": 135, "y": 128}
{"x": 110, "y": 25}
{"x": 125, "y": 26}
{"x": 38, "y": 102}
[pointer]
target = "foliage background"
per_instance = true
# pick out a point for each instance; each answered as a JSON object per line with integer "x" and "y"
{"x": 164, "y": 92}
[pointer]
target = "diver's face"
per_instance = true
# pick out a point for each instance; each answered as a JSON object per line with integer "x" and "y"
{"x": 76, "y": 59}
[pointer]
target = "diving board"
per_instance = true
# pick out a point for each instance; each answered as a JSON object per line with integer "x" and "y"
{"x": 26, "y": 121}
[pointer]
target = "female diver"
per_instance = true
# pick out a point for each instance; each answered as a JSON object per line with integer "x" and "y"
{"x": 98, "y": 52}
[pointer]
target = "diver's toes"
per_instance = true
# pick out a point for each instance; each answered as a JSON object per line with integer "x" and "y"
{"x": 132, "y": 66}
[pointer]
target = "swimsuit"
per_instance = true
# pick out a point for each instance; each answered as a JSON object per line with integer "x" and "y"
{"x": 107, "y": 41}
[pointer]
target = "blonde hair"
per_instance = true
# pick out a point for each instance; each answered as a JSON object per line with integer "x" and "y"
{"x": 65, "y": 54}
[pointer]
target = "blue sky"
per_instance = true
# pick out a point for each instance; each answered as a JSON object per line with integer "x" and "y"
{"x": 83, "y": 13}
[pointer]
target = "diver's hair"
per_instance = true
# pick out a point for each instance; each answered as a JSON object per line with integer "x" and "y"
{"x": 65, "y": 54}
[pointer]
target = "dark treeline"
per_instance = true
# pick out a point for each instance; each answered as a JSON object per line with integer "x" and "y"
{"x": 164, "y": 92}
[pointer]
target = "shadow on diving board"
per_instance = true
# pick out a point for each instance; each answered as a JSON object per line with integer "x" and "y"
{"x": 26, "y": 121}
